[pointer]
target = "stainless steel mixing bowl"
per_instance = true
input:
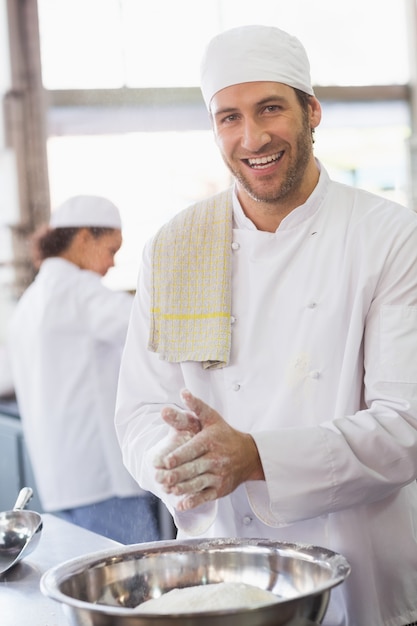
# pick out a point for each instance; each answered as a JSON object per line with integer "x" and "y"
{"x": 102, "y": 589}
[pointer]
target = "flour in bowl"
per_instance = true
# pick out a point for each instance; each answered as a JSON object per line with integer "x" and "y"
{"x": 212, "y": 597}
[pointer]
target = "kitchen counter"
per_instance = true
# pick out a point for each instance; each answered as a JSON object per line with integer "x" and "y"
{"x": 21, "y": 601}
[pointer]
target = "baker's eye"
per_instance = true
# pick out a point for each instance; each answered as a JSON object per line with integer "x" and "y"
{"x": 230, "y": 118}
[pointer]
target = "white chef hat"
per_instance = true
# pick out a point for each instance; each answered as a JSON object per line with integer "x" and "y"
{"x": 254, "y": 53}
{"x": 85, "y": 211}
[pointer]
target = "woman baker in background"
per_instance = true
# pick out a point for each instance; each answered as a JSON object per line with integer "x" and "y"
{"x": 65, "y": 344}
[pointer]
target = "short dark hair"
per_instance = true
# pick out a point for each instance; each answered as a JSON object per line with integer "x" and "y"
{"x": 304, "y": 100}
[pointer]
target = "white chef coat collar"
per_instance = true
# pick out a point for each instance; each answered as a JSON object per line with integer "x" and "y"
{"x": 59, "y": 264}
{"x": 52, "y": 262}
{"x": 297, "y": 215}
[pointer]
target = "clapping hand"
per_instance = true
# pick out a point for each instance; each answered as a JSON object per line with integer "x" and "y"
{"x": 206, "y": 458}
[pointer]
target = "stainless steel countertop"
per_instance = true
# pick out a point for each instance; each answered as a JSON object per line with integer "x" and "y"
{"x": 21, "y": 601}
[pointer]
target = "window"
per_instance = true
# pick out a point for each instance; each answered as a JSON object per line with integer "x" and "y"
{"x": 153, "y": 159}
{"x": 111, "y": 43}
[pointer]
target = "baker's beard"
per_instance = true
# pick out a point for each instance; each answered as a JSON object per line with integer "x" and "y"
{"x": 283, "y": 190}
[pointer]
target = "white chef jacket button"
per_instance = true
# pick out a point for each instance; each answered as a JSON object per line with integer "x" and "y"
{"x": 312, "y": 305}
{"x": 235, "y": 245}
{"x": 232, "y": 319}
{"x": 236, "y": 387}
{"x": 314, "y": 374}
{"x": 247, "y": 520}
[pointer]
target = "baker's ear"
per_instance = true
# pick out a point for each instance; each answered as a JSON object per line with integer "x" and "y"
{"x": 83, "y": 235}
{"x": 315, "y": 112}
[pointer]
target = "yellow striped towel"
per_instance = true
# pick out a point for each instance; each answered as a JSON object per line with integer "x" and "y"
{"x": 191, "y": 285}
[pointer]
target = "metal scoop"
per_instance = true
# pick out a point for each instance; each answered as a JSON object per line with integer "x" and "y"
{"x": 20, "y": 531}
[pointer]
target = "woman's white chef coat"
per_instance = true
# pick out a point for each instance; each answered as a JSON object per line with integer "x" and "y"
{"x": 66, "y": 340}
{"x": 340, "y": 456}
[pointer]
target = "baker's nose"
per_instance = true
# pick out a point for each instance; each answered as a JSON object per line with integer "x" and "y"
{"x": 255, "y": 136}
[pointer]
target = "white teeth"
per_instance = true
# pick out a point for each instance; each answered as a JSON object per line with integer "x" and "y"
{"x": 264, "y": 160}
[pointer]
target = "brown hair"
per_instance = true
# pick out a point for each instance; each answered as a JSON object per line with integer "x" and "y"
{"x": 49, "y": 242}
{"x": 304, "y": 100}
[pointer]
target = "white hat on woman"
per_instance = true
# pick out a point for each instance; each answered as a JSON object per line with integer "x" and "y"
{"x": 85, "y": 211}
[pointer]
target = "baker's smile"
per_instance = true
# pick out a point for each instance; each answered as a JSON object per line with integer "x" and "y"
{"x": 265, "y": 161}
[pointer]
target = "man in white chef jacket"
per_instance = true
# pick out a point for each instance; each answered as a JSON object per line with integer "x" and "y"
{"x": 268, "y": 386}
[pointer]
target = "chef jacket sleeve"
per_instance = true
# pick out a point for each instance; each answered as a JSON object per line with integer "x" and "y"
{"x": 105, "y": 310}
{"x": 352, "y": 460}
{"x": 146, "y": 384}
